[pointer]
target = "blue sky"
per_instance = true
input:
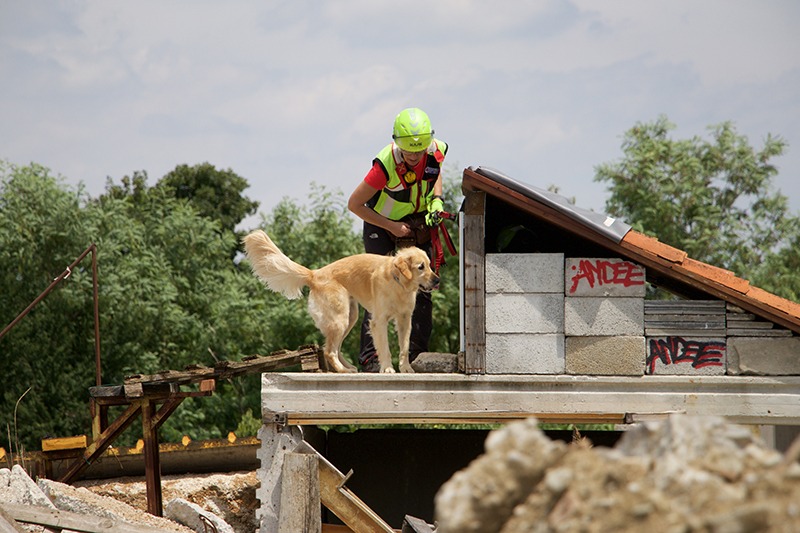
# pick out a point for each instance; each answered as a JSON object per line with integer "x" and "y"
{"x": 290, "y": 93}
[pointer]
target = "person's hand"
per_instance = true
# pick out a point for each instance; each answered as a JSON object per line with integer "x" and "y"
{"x": 435, "y": 209}
{"x": 400, "y": 229}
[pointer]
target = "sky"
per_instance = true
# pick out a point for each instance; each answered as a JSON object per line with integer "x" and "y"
{"x": 292, "y": 93}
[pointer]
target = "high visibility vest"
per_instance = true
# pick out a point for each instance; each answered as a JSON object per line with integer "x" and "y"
{"x": 406, "y": 193}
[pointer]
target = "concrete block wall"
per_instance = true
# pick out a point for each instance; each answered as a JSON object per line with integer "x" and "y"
{"x": 549, "y": 315}
{"x": 524, "y": 313}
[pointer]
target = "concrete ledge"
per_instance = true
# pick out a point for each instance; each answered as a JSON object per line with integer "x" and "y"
{"x": 299, "y": 398}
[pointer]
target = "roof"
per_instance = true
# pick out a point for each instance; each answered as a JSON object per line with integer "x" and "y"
{"x": 665, "y": 265}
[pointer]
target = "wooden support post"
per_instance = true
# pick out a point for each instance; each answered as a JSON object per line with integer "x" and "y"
{"x": 473, "y": 249}
{"x": 151, "y": 459}
{"x": 300, "y": 504}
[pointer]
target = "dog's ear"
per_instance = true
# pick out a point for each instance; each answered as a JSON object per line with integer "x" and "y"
{"x": 401, "y": 263}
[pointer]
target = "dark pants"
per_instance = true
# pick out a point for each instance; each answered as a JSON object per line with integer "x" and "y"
{"x": 378, "y": 241}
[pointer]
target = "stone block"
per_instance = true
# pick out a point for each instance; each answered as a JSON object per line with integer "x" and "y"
{"x": 603, "y": 316}
{"x": 686, "y": 356}
{"x": 520, "y": 353}
{"x": 601, "y": 277}
{"x": 525, "y": 313}
{"x": 764, "y": 356}
{"x": 524, "y": 273}
{"x": 435, "y": 363}
{"x": 605, "y": 356}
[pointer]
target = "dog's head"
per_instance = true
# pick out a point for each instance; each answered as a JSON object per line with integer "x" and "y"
{"x": 413, "y": 269}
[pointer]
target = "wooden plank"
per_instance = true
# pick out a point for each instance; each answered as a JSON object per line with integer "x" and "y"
{"x": 415, "y": 525}
{"x": 229, "y": 369}
{"x": 56, "y": 518}
{"x": 474, "y": 283}
{"x": 300, "y": 499}
{"x": 65, "y": 443}
{"x": 8, "y": 524}
{"x": 453, "y": 417}
{"x": 342, "y": 501}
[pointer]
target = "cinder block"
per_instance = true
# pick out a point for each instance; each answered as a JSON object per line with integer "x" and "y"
{"x": 525, "y": 313}
{"x": 584, "y": 317}
{"x": 605, "y": 356}
{"x": 524, "y": 273}
{"x": 520, "y": 353}
{"x": 603, "y": 277}
{"x": 764, "y": 356}
{"x": 686, "y": 356}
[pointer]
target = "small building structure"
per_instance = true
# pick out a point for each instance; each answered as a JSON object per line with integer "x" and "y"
{"x": 555, "y": 325}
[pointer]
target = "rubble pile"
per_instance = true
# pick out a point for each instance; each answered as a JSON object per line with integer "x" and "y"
{"x": 16, "y": 487}
{"x": 680, "y": 474}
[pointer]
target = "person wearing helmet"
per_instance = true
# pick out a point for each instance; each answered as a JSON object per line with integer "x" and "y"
{"x": 398, "y": 199}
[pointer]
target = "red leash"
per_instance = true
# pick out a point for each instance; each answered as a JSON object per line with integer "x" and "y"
{"x": 436, "y": 243}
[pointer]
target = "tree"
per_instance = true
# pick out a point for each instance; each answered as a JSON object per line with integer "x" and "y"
{"x": 711, "y": 198}
{"x": 216, "y": 194}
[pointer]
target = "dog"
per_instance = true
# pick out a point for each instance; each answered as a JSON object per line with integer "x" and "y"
{"x": 386, "y": 286}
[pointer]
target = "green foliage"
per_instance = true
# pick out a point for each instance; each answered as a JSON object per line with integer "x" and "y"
{"x": 711, "y": 198}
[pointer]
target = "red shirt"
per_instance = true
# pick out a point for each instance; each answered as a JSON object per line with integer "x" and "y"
{"x": 377, "y": 179}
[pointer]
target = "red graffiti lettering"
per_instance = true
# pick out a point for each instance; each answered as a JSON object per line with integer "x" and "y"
{"x": 602, "y": 272}
{"x": 676, "y": 350}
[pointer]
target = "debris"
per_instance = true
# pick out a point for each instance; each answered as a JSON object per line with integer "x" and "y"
{"x": 681, "y": 473}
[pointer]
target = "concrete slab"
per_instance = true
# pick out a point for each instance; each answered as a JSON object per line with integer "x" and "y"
{"x": 764, "y": 356}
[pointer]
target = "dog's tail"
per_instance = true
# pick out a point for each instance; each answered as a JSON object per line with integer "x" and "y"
{"x": 271, "y": 266}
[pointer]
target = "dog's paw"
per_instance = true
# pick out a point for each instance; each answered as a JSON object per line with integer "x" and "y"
{"x": 406, "y": 369}
{"x": 388, "y": 370}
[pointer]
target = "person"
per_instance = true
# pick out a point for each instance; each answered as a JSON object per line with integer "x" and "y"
{"x": 398, "y": 199}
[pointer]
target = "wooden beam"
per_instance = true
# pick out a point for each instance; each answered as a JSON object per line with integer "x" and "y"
{"x": 303, "y": 356}
{"x": 300, "y": 500}
{"x": 152, "y": 469}
{"x": 342, "y": 501}
{"x": 474, "y": 306}
{"x": 58, "y": 519}
{"x": 97, "y": 447}
{"x": 64, "y": 443}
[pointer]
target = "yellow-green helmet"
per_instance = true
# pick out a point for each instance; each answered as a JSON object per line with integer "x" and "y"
{"x": 412, "y": 130}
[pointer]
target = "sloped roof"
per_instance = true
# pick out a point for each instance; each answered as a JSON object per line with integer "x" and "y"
{"x": 665, "y": 265}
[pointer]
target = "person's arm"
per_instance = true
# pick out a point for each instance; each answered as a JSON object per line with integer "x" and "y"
{"x": 356, "y": 204}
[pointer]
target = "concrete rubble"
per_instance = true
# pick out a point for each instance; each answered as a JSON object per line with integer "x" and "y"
{"x": 16, "y": 487}
{"x": 680, "y": 474}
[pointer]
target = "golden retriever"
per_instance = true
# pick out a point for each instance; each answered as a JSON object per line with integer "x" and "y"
{"x": 384, "y": 285}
